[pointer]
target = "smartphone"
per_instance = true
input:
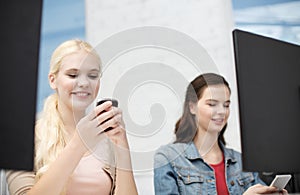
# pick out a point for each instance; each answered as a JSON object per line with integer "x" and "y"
{"x": 114, "y": 103}
{"x": 280, "y": 181}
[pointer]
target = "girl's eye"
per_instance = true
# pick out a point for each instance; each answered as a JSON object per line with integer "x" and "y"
{"x": 94, "y": 76}
{"x": 72, "y": 75}
{"x": 226, "y": 105}
{"x": 211, "y": 104}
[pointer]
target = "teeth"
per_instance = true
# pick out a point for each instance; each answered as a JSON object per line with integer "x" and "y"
{"x": 218, "y": 120}
{"x": 81, "y": 94}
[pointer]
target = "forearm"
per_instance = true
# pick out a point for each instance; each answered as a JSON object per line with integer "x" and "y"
{"x": 125, "y": 183}
{"x": 55, "y": 178}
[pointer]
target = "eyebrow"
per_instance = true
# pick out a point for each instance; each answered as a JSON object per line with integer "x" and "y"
{"x": 95, "y": 69}
{"x": 213, "y": 100}
{"x": 75, "y": 69}
{"x": 72, "y": 69}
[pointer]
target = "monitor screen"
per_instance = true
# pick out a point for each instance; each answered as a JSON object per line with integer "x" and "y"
{"x": 268, "y": 84}
{"x": 20, "y": 35}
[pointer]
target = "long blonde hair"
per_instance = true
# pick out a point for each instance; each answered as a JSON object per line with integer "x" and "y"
{"x": 50, "y": 132}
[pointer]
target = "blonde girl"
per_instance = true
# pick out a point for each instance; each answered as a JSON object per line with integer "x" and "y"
{"x": 66, "y": 137}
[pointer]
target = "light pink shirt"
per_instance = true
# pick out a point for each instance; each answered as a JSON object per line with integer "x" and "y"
{"x": 89, "y": 178}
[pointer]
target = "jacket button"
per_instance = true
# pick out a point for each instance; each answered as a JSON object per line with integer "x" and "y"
{"x": 232, "y": 183}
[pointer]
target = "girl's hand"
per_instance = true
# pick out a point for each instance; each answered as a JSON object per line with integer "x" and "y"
{"x": 91, "y": 127}
{"x": 261, "y": 189}
{"x": 118, "y": 133}
{"x": 119, "y": 139}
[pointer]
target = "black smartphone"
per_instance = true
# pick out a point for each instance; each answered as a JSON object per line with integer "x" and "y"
{"x": 114, "y": 103}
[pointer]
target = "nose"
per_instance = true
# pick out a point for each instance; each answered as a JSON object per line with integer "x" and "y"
{"x": 82, "y": 81}
{"x": 221, "y": 110}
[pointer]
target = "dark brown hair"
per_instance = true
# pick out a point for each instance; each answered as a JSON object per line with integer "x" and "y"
{"x": 186, "y": 127}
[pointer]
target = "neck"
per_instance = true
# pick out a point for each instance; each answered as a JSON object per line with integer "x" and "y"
{"x": 69, "y": 117}
{"x": 208, "y": 147}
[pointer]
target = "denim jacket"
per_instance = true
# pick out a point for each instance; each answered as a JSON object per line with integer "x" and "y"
{"x": 179, "y": 169}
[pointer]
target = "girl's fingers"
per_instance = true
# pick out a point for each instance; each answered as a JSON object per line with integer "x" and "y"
{"x": 108, "y": 115}
{"x": 111, "y": 123}
{"x": 115, "y": 132}
{"x": 99, "y": 109}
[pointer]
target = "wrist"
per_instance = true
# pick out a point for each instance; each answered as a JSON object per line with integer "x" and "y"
{"x": 77, "y": 144}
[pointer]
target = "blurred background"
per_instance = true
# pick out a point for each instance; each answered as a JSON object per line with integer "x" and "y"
{"x": 65, "y": 19}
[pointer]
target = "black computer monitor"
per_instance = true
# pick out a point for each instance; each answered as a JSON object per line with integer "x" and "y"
{"x": 268, "y": 84}
{"x": 20, "y": 38}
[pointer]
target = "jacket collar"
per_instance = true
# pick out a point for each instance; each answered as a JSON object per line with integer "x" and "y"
{"x": 191, "y": 153}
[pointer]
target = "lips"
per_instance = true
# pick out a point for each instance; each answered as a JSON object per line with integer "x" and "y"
{"x": 81, "y": 94}
{"x": 218, "y": 120}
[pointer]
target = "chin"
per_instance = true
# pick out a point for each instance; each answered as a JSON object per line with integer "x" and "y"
{"x": 217, "y": 129}
{"x": 80, "y": 106}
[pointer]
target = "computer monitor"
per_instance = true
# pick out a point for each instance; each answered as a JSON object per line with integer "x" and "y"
{"x": 268, "y": 84}
{"x": 20, "y": 38}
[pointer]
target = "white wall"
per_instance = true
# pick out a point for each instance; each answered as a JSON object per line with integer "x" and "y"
{"x": 149, "y": 68}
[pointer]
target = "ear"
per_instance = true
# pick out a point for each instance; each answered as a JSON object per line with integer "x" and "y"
{"x": 51, "y": 78}
{"x": 193, "y": 107}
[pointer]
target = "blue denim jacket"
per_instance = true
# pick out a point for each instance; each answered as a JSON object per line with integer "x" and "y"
{"x": 179, "y": 169}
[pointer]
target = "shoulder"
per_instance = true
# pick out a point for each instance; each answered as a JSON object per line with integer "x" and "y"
{"x": 169, "y": 152}
{"x": 172, "y": 148}
{"x": 231, "y": 152}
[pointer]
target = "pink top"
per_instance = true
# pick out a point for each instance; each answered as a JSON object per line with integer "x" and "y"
{"x": 89, "y": 178}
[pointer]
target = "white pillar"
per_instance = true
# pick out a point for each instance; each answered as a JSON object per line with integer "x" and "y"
{"x": 207, "y": 22}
